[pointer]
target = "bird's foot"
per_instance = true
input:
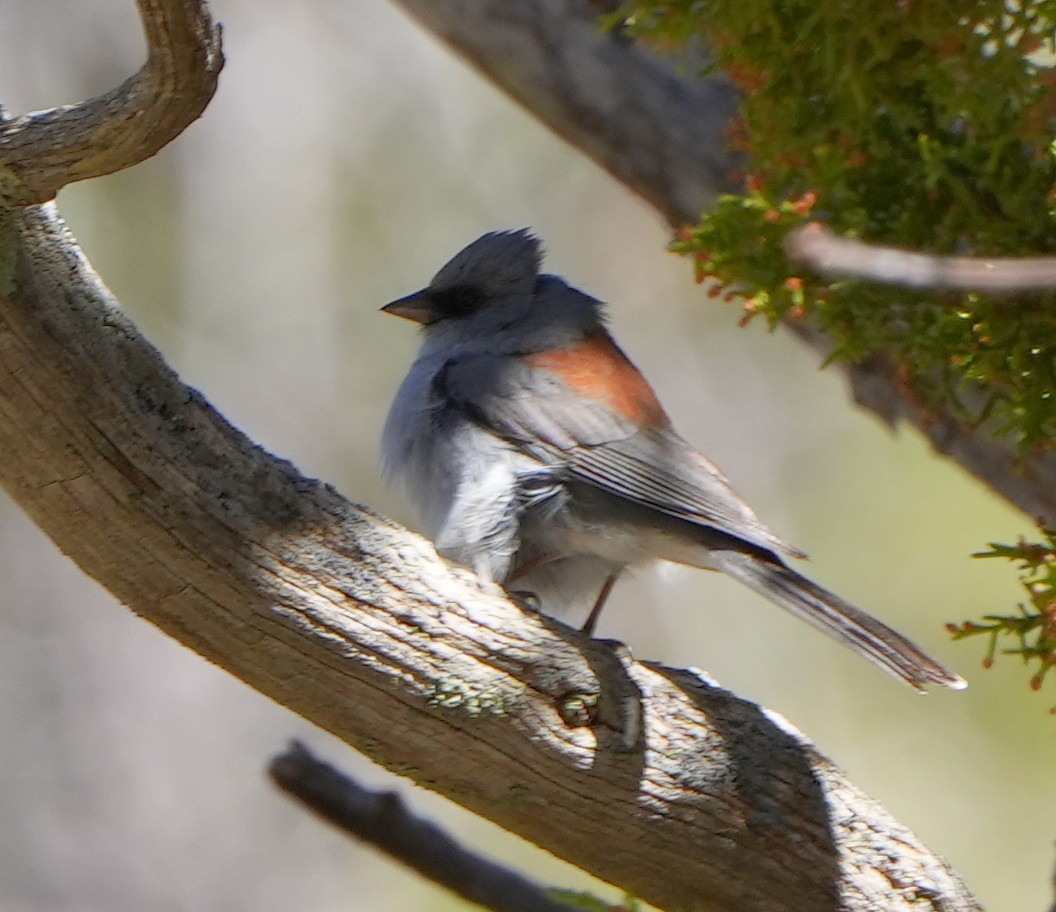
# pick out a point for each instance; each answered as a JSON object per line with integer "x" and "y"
{"x": 527, "y": 600}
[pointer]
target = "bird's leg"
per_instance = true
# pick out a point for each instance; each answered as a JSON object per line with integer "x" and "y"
{"x": 603, "y": 596}
{"x": 527, "y": 598}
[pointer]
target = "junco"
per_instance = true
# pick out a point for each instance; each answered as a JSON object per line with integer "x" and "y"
{"x": 539, "y": 456}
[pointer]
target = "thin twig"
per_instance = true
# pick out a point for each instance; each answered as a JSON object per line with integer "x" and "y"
{"x": 830, "y": 255}
{"x": 381, "y": 819}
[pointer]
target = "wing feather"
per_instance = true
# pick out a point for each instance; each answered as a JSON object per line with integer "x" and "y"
{"x": 535, "y": 411}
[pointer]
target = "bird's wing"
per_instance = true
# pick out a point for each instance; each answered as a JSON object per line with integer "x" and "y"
{"x": 589, "y": 411}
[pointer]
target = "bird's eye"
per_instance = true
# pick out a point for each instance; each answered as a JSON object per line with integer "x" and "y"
{"x": 457, "y": 300}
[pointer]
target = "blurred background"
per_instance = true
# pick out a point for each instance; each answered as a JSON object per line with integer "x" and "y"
{"x": 346, "y": 156}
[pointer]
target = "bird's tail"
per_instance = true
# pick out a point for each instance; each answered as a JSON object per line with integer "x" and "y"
{"x": 839, "y": 619}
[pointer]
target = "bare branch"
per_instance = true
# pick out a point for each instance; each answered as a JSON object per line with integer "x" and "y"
{"x": 42, "y": 152}
{"x": 830, "y": 255}
{"x": 660, "y": 134}
{"x": 382, "y": 819}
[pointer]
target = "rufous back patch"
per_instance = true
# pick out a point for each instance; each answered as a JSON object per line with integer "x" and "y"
{"x": 597, "y": 369}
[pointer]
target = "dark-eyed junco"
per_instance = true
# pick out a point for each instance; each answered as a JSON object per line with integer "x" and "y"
{"x": 539, "y": 456}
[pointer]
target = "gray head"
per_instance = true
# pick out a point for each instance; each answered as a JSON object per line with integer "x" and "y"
{"x": 491, "y": 297}
{"x": 495, "y": 267}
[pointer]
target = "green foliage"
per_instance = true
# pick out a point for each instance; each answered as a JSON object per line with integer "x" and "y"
{"x": 923, "y": 125}
{"x": 1033, "y": 630}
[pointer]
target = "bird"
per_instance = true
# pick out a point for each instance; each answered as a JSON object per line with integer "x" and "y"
{"x": 538, "y": 456}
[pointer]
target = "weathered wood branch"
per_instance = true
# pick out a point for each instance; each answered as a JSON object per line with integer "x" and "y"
{"x": 660, "y": 131}
{"x": 649, "y": 778}
{"x": 44, "y": 151}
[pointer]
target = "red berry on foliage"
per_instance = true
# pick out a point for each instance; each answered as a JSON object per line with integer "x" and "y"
{"x": 805, "y": 203}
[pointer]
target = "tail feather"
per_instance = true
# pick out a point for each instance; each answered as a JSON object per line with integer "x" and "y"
{"x": 839, "y": 619}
